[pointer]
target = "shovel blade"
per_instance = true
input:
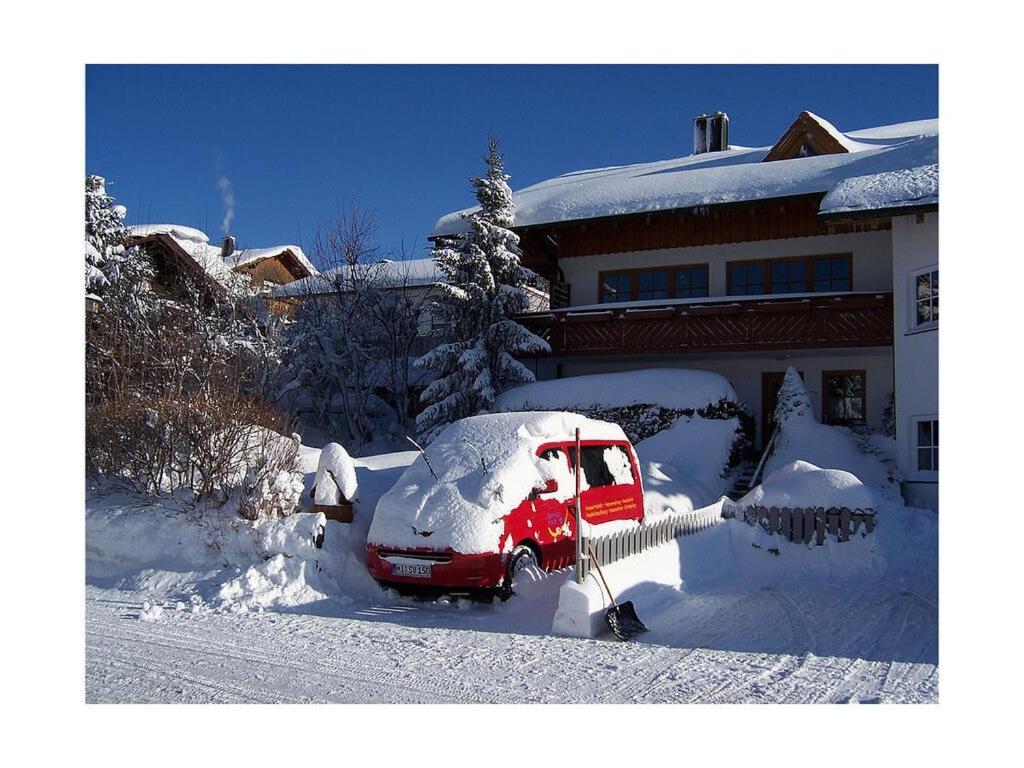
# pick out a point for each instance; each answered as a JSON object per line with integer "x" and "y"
{"x": 623, "y": 621}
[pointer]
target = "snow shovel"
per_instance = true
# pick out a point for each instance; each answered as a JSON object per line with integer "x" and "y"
{"x": 621, "y": 619}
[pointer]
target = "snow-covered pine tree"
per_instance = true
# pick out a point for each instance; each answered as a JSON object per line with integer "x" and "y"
{"x": 483, "y": 292}
{"x": 793, "y": 401}
{"x": 110, "y": 265}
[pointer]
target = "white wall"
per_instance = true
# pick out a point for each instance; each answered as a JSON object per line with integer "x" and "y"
{"x": 744, "y": 371}
{"x": 872, "y": 268}
{"x": 915, "y": 246}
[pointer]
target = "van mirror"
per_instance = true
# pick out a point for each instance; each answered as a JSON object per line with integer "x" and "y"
{"x": 550, "y": 486}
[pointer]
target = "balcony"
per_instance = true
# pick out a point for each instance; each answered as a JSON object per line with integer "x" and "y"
{"x": 726, "y": 324}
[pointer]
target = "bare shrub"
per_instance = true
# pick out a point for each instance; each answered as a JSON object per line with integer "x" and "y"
{"x": 219, "y": 447}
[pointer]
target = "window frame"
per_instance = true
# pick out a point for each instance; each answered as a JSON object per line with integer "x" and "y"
{"x": 915, "y": 447}
{"x": 913, "y": 301}
{"x": 634, "y": 275}
{"x": 864, "y": 396}
{"x": 809, "y": 266}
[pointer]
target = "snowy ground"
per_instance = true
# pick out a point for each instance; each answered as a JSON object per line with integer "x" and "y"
{"x": 761, "y": 645}
{"x": 188, "y": 606}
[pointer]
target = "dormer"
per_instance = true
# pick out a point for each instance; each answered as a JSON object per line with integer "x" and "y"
{"x": 809, "y": 135}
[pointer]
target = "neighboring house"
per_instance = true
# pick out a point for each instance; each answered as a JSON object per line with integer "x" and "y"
{"x": 184, "y": 257}
{"x": 418, "y": 278}
{"x": 728, "y": 260}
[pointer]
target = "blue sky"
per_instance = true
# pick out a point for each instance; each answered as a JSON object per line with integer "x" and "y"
{"x": 298, "y": 143}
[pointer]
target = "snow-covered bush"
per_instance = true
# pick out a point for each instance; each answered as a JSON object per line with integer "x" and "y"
{"x": 482, "y": 294}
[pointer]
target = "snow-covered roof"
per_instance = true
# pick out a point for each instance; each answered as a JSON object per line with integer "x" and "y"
{"x": 386, "y": 272}
{"x": 196, "y": 244}
{"x": 909, "y": 187}
{"x": 734, "y": 175}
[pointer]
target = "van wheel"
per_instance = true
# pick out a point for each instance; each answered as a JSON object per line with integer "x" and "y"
{"x": 523, "y": 568}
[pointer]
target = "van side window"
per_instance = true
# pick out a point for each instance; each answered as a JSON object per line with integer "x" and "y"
{"x": 604, "y": 465}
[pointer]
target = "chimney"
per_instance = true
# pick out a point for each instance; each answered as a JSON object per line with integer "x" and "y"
{"x": 718, "y": 132}
{"x": 700, "y": 134}
{"x": 710, "y": 134}
{"x": 228, "y": 247}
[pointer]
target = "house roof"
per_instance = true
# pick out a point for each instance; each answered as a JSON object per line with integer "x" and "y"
{"x": 891, "y": 190}
{"x": 390, "y": 273}
{"x": 197, "y": 244}
{"x": 737, "y": 174}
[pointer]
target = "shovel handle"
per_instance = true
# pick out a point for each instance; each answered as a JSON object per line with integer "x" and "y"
{"x": 597, "y": 562}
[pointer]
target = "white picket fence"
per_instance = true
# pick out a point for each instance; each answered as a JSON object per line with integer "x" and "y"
{"x": 616, "y": 546}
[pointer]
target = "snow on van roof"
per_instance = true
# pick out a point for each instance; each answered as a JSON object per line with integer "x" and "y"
{"x": 733, "y": 175}
{"x": 485, "y": 466}
{"x": 669, "y": 387}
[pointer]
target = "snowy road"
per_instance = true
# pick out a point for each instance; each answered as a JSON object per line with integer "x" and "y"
{"x": 762, "y": 645}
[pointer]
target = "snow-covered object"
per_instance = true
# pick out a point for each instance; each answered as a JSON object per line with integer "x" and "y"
{"x": 734, "y": 175}
{"x": 668, "y": 387}
{"x": 891, "y": 189}
{"x": 646, "y": 579}
{"x": 485, "y": 466}
{"x": 801, "y": 485}
{"x": 336, "y": 481}
{"x": 683, "y": 466}
{"x": 386, "y": 273}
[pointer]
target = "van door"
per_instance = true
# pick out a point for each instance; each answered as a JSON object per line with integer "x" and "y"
{"x": 611, "y": 481}
{"x": 546, "y": 517}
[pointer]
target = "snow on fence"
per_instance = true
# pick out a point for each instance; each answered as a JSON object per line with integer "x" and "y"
{"x": 805, "y": 524}
{"x": 616, "y": 546}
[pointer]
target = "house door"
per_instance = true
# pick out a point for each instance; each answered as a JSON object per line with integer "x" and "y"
{"x": 770, "y": 383}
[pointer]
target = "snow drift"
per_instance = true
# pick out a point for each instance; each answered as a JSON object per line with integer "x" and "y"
{"x": 800, "y": 484}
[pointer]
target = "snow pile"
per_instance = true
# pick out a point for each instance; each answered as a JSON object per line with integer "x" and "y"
{"x": 649, "y": 579}
{"x": 801, "y": 438}
{"x": 683, "y": 467}
{"x": 801, "y": 485}
{"x": 891, "y": 189}
{"x": 711, "y": 178}
{"x": 336, "y": 480}
{"x": 485, "y": 466}
{"x": 668, "y": 387}
{"x": 150, "y": 612}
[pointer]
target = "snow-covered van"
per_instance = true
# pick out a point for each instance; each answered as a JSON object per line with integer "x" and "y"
{"x": 494, "y": 494}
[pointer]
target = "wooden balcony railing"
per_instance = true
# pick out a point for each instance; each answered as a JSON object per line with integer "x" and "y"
{"x": 734, "y": 324}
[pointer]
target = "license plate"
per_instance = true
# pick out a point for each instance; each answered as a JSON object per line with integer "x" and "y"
{"x": 416, "y": 570}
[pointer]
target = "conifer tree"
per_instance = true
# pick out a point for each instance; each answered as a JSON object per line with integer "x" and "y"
{"x": 482, "y": 295}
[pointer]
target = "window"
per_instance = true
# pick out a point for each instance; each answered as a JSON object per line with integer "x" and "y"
{"x": 746, "y": 279}
{"x": 596, "y": 470}
{"x": 928, "y": 445}
{"x": 691, "y": 282}
{"x": 842, "y": 397}
{"x": 652, "y": 285}
{"x": 789, "y": 276}
{"x": 616, "y": 287}
{"x": 926, "y": 298}
{"x": 832, "y": 273}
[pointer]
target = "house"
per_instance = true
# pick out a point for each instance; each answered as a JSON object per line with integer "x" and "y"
{"x": 183, "y": 258}
{"x": 418, "y": 279}
{"x": 819, "y": 252}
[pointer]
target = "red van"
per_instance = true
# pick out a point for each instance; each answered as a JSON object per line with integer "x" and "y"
{"x": 534, "y": 529}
